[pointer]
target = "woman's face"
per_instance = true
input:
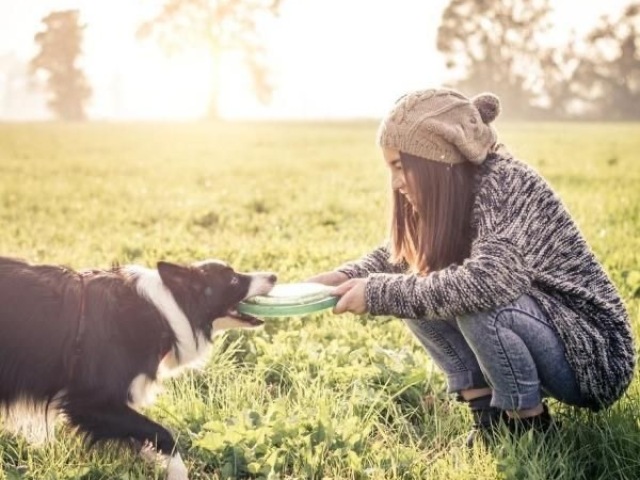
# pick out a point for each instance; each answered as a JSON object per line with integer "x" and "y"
{"x": 398, "y": 179}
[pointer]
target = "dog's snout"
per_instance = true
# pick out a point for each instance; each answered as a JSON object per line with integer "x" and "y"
{"x": 261, "y": 283}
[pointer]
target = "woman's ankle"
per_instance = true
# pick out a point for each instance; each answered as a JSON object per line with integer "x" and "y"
{"x": 474, "y": 393}
{"x": 526, "y": 413}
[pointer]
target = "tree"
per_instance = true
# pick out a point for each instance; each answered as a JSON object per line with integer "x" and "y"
{"x": 494, "y": 45}
{"x": 219, "y": 26}
{"x": 60, "y": 46}
{"x": 557, "y": 97}
{"x": 608, "y": 76}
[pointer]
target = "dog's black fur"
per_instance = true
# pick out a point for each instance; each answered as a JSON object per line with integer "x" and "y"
{"x": 77, "y": 340}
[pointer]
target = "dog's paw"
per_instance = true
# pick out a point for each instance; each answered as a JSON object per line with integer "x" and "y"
{"x": 176, "y": 469}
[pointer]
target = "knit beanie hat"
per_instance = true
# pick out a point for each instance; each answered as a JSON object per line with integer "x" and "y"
{"x": 442, "y": 125}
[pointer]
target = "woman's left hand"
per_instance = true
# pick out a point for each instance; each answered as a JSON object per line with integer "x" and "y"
{"x": 352, "y": 298}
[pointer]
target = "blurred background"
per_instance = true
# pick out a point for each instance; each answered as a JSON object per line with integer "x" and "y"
{"x": 313, "y": 59}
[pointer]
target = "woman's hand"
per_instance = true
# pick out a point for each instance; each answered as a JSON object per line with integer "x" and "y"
{"x": 329, "y": 278}
{"x": 352, "y": 298}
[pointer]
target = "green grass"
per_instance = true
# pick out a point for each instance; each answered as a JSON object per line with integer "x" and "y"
{"x": 326, "y": 396}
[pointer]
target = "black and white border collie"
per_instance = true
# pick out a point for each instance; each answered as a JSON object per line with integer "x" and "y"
{"x": 92, "y": 344}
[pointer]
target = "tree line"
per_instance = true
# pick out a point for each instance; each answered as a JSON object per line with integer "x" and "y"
{"x": 500, "y": 46}
{"x": 488, "y": 45}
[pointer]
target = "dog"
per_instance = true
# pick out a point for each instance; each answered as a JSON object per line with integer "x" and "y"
{"x": 93, "y": 344}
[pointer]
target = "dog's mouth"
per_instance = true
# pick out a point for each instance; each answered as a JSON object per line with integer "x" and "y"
{"x": 245, "y": 318}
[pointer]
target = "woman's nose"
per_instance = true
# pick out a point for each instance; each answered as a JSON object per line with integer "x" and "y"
{"x": 397, "y": 182}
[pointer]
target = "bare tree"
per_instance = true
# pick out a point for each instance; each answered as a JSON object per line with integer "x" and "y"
{"x": 60, "y": 46}
{"x": 218, "y": 26}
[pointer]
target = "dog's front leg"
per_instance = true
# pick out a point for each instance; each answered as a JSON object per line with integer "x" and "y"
{"x": 102, "y": 422}
{"x": 177, "y": 470}
{"x": 175, "y": 467}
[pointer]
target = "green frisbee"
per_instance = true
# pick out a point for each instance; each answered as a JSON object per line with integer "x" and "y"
{"x": 290, "y": 299}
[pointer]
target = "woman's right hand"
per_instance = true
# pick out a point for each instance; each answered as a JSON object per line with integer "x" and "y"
{"x": 333, "y": 278}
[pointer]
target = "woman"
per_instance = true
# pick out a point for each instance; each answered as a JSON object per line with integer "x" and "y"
{"x": 488, "y": 270}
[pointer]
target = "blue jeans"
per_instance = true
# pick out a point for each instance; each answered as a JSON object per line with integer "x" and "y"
{"x": 513, "y": 350}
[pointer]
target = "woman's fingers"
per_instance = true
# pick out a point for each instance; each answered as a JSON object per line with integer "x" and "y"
{"x": 352, "y": 297}
{"x": 343, "y": 288}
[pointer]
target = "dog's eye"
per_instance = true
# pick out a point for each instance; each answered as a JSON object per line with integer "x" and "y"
{"x": 234, "y": 280}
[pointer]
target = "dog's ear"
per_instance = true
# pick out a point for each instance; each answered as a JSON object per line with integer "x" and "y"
{"x": 174, "y": 275}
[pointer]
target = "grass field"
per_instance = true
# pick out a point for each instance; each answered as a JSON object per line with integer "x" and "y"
{"x": 334, "y": 397}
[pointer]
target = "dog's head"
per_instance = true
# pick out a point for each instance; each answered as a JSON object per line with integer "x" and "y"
{"x": 208, "y": 292}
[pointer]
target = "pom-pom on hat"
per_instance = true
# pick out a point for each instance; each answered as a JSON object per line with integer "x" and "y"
{"x": 442, "y": 125}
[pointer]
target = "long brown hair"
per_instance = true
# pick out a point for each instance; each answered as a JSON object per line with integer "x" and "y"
{"x": 437, "y": 231}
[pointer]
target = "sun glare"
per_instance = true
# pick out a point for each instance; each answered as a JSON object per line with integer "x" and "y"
{"x": 178, "y": 87}
{"x": 134, "y": 79}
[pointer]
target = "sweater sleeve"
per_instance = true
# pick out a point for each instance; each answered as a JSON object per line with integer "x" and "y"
{"x": 375, "y": 262}
{"x": 494, "y": 274}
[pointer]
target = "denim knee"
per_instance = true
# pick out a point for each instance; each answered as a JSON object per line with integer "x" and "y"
{"x": 504, "y": 356}
{"x": 521, "y": 355}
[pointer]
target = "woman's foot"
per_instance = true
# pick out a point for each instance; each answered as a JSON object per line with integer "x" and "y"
{"x": 541, "y": 423}
{"x": 487, "y": 422}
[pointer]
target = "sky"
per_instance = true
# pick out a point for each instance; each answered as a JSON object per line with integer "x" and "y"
{"x": 329, "y": 58}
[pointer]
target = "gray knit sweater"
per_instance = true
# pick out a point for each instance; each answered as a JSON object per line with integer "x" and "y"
{"x": 524, "y": 242}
